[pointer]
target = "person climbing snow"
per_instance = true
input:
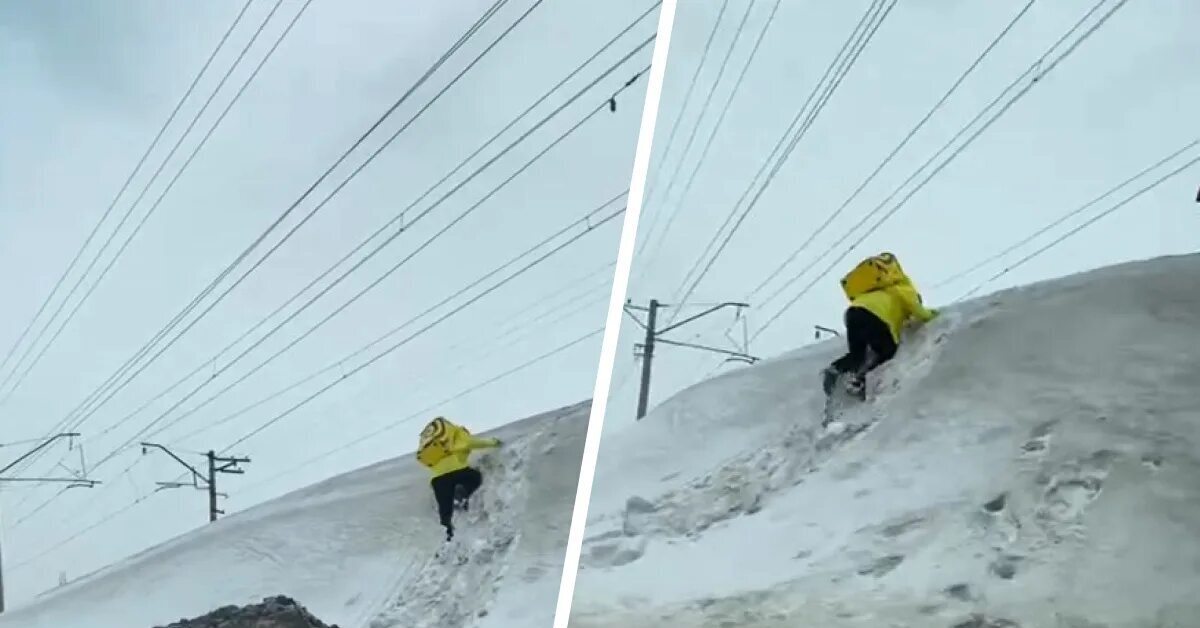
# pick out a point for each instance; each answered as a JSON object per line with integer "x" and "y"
{"x": 882, "y": 301}
{"x": 444, "y": 449}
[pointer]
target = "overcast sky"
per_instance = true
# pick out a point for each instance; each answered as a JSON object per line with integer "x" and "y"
{"x": 1124, "y": 99}
{"x": 87, "y": 85}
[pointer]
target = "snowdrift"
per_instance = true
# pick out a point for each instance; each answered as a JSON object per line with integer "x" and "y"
{"x": 362, "y": 550}
{"x": 1030, "y": 459}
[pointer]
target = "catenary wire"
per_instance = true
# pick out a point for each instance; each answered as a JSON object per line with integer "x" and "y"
{"x": 1091, "y": 221}
{"x": 666, "y": 203}
{"x": 125, "y": 217}
{"x": 708, "y": 143}
{"x": 1061, "y": 219}
{"x": 412, "y": 320}
{"x": 210, "y": 362}
{"x": 1037, "y": 70}
{"x": 856, "y": 43}
{"x": 287, "y": 236}
{"x": 892, "y": 155}
{"x": 687, "y": 98}
{"x": 100, "y": 391}
{"x": 128, "y": 180}
{"x": 395, "y": 267}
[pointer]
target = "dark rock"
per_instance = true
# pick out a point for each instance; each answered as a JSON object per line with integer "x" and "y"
{"x": 274, "y": 612}
{"x": 983, "y": 621}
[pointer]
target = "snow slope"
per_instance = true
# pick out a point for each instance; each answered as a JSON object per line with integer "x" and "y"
{"x": 1030, "y": 459}
{"x": 362, "y": 549}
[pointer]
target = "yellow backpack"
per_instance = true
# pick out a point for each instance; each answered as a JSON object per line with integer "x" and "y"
{"x": 434, "y": 445}
{"x": 874, "y": 273}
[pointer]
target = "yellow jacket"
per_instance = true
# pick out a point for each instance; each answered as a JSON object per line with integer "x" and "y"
{"x": 460, "y": 443}
{"x": 895, "y": 305}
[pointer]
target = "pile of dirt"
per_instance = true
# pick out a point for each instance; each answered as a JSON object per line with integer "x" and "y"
{"x": 274, "y": 612}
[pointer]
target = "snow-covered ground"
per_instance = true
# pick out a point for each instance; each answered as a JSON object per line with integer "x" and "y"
{"x": 361, "y": 550}
{"x": 1030, "y": 459}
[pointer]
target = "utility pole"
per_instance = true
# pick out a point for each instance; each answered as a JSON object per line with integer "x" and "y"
{"x": 647, "y": 358}
{"x": 654, "y": 336}
{"x": 76, "y": 480}
{"x": 216, "y": 464}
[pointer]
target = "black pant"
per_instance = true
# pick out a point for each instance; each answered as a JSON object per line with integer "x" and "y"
{"x": 462, "y": 484}
{"x": 864, "y": 331}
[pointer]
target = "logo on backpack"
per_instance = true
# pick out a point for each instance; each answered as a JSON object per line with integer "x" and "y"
{"x": 435, "y": 442}
{"x": 874, "y": 273}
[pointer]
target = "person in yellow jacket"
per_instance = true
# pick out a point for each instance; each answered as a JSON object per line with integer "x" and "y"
{"x": 873, "y": 322}
{"x": 444, "y": 449}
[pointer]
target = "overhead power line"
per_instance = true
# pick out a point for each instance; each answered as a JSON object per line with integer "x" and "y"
{"x": 187, "y": 163}
{"x": 103, "y": 247}
{"x": 498, "y": 340}
{"x": 1061, "y": 219}
{"x": 585, "y": 220}
{"x": 595, "y": 111}
{"x": 287, "y": 236}
{"x": 379, "y": 356}
{"x": 148, "y": 346}
{"x": 687, "y": 96}
{"x": 838, "y": 69}
{"x": 813, "y": 235}
{"x": 1091, "y": 221}
{"x": 475, "y": 387}
{"x": 121, "y": 192}
{"x": 667, "y": 205}
{"x": 210, "y": 363}
{"x": 439, "y": 404}
{"x": 396, "y": 234}
{"x": 712, "y": 134}
{"x": 1035, "y": 73}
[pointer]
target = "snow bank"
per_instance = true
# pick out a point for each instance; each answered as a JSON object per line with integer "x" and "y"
{"x": 1031, "y": 458}
{"x": 363, "y": 549}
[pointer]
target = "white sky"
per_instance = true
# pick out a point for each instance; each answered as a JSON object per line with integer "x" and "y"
{"x": 1124, "y": 99}
{"x": 86, "y": 87}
